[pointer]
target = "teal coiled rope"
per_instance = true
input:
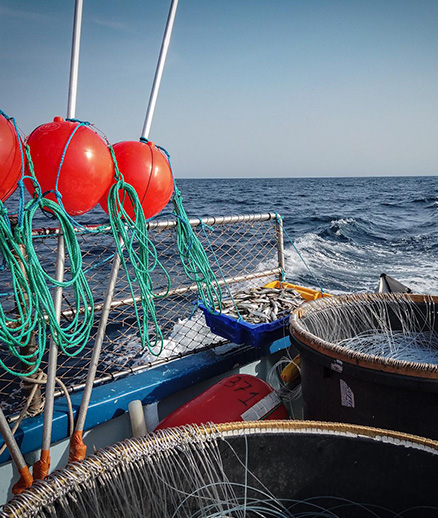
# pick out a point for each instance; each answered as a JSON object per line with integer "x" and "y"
{"x": 131, "y": 235}
{"x": 26, "y": 335}
{"x": 192, "y": 254}
{"x": 71, "y": 337}
{"x": 18, "y": 333}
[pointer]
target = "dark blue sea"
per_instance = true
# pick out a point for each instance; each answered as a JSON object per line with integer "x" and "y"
{"x": 349, "y": 230}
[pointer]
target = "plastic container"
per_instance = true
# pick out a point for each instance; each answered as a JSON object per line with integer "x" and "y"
{"x": 241, "y": 332}
{"x": 343, "y": 386}
{"x": 257, "y": 335}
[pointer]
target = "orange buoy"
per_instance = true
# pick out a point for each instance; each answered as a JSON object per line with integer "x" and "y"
{"x": 146, "y": 168}
{"x": 240, "y": 397}
{"x": 74, "y": 160}
{"x": 10, "y": 158}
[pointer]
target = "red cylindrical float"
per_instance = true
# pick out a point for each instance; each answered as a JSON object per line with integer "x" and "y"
{"x": 240, "y": 397}
{"x": 10, "y": 158}
{"x": 146, "y": 168}
{"x": 87, "y": 167}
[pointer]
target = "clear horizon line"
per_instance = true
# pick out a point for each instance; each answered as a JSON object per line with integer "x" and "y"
{"x": 305, "y": 177}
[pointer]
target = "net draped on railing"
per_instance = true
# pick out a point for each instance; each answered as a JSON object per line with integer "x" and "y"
{"x": 242, "y": 250}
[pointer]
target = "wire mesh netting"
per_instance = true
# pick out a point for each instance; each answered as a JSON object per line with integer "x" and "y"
{"x": 242, "y": 250}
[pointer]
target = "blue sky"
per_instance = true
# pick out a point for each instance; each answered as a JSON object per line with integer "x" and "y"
{"x": 251, "y": 88}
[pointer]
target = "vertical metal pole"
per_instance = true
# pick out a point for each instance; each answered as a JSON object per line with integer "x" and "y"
{"x": 16, "y": 455}
{"x": 74, "y": 63}
{"x": 280, "y": 245}
{"x": 159, "y": 70}
{"x": 41, "y": 467}
{"x": 10, "y": 441}
{"x": 77, "y": 446}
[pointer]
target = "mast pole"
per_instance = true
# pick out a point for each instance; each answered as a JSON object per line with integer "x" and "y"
{"x": 159, "y": 70}
{"x": 74, "y": 62}
{"x": 77, "y": 446}
{"x": 41, "y": 467}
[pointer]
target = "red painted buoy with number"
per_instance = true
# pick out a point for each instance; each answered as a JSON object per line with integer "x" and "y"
{"x": 146, "y": 168}
{"x": 240, "y": 397}
{"x": 87, "y": 167}
{"x": 10, "y": 158}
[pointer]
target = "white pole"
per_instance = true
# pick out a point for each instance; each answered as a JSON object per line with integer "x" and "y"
{"x": 159, "y": 71}
{"x": 136, "y": 415}
{"x": 91, "y": 374}
{"x": 16, "y": 455}
{"x": 41, "y": 467}
{"x": 74, "y": 63}
{"x": 77, "y": 447}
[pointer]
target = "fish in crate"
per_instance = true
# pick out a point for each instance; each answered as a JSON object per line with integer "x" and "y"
{"x": 258, "y": 316}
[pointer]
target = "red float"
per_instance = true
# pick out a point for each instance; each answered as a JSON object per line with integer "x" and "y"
{"x": 87, "y": 168}
{"x": 10, "y": 158}
{"x": 240, "y": 397}
{"x": 144, "y": 167}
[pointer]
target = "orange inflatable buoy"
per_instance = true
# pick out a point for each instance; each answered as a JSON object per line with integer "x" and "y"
{"x": 146, "y": 168}
{"x": 10, "y": 158}
{"x": 240, "y": 397}
{"x": 72, "y": 158}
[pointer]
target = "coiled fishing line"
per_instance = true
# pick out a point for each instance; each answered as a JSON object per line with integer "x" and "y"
{"x": 392, "y": 327}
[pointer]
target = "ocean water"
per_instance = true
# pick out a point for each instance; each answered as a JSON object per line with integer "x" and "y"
{"x": 349, "y": 230}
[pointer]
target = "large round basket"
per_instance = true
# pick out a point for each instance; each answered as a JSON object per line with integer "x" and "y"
{"x": 370, "y": 359}
{"x": 275, "y": 468}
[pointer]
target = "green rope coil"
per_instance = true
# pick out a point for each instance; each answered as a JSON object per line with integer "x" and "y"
{"x": 194, "y": 259}
{"x": 71, "y": 337}
{"x": 192, "y": 254}
{"x": 18, "y": 332}
{"x": 131, "y": 236}
{"x": 26, "y": 334}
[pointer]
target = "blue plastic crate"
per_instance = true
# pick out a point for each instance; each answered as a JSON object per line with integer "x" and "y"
{"x": 241, "y": 332}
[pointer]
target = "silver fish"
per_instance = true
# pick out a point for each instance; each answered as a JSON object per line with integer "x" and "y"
{"x": 262, "y": 305}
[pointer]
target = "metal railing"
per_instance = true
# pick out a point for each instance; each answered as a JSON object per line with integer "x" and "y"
{"x": 244, "y": 250}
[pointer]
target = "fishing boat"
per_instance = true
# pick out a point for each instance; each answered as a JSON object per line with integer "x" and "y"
{"x": 193, "y": 355}
{"x": 118, "y": 386}
{"x": 113, "y": 370}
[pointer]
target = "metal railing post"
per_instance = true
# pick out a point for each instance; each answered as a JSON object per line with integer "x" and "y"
{"x": 280, "y": 245}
